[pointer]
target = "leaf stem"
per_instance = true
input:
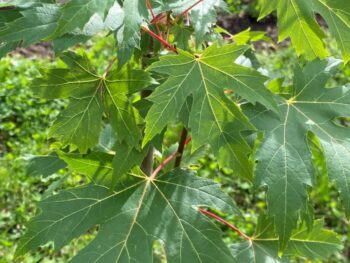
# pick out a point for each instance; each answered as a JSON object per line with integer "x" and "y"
{"x": 109, "y": 67}
{"x": 187, "y": 10}
{"x": 149, "y": 6}
{"x": 160, "y": 39}
{"x": 181, "y": 147}
{"x": 218, "y": 218}
{"x": 163, "y": 164}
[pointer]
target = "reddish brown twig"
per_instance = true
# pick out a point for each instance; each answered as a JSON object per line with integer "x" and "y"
{"x": 160, "y": 39}
{"x": 218, "y": 218}
{"x": 163, "y": 164}
{"x": 158, "y": 18}
{"x": 181, "y": 147}
{"x": 189, "y": 139}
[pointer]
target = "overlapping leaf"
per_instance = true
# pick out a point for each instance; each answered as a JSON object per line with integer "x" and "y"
{"x": 297, "y": 20}
{"x": 44, "y": 165}
{"x": 75, "y": 14}
{"x": 35, "y": 24}
{"x": 90, "y": 97}
{"x": 68, "y": 24}
{"x": 96, "y": 24}
{"x": 284, "y": 159}
{"x": 133, "y": 217}
{"x": 77, "y": 20}
{"x": 214, "y": 119}
{"x": 96, "y": 166}
{"x": 316, "y": 243}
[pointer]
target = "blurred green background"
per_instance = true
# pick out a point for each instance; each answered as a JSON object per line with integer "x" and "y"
{"x": 24, "y": 122}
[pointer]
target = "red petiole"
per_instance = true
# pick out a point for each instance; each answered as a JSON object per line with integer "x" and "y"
{"x": 149, "y": 6}
{"x": 188, "y": 10}
{"x": 163, "y": 164}
{"x": 156, "y": 19}
{"x": 218, "y": 218}
{"x": 160, "y": 39}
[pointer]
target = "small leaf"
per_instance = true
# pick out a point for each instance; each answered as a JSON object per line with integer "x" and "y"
{"x": 263, "y": 247}
{"x": 97, "y": 166}
{"x": 45, "y": 165}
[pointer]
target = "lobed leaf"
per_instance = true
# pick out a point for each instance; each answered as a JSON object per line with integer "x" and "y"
{"x": 284, "y": 158}
{"x": 132, "y": 218}
{"x": 316, "y": 243}
{"x": 91, "y": 96}
{"x": 213, "y": 119}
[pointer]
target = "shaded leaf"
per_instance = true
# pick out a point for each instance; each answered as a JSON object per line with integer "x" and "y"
{"x": 45, "y": 165}
{"x": 90, "y": 96}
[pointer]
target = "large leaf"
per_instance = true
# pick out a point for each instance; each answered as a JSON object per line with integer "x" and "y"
{"x": 296, "y": 19}
{"x": 316, "y": 243}
{"x": 284, "y": 159}
{"x": 214, "y": 119}
{"x": 90, "y": 96}
{"x": 133, "y": 218}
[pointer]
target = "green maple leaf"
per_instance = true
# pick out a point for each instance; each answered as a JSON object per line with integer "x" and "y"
{"x": 284, "y": 159}
{"x": 75, "y": 14}
{"x": 133, "y": 218}
{"x": 315, "y": 243}
{"x": 35, "y": 24}
{"x": 213, "y": 119}
{"x": 91, "y": 96}
{"x": 296, "y": 19}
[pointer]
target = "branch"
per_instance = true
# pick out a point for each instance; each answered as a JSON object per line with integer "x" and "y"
{"x": 180, "y": 149}
{"x": 218, "y": 218}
